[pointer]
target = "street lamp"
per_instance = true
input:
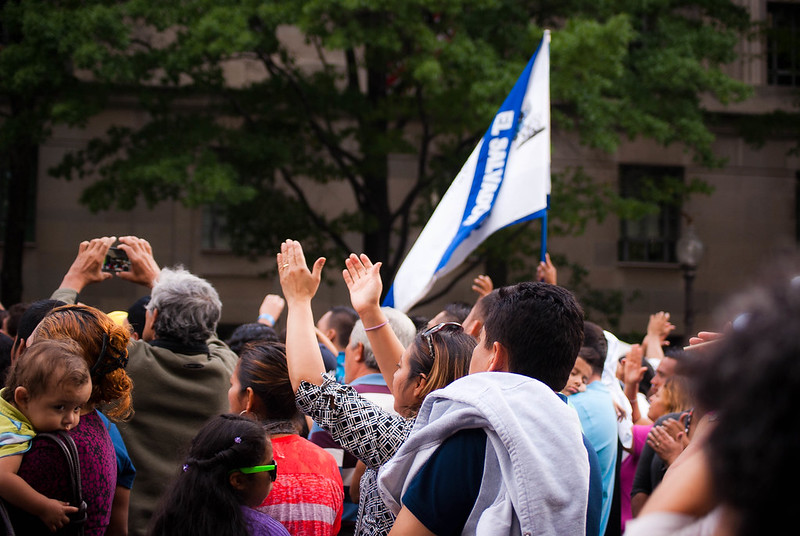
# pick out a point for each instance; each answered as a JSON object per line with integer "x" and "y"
{"x": 689, "y": 250}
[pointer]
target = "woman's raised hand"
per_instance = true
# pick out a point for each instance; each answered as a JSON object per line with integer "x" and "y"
{"x": 297, "y": 281}
{"x": 632, "y": 369}
{"x": 363, "y": 280}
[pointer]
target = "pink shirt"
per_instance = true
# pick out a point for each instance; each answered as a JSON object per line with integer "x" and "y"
{"x": 627, "y": 470}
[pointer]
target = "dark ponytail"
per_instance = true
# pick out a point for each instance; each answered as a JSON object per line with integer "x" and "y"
{"x": 201, "y": 500}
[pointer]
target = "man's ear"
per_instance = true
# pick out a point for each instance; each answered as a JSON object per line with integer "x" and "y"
{"x": 21, "y": 397}
{"x": 499, "y": 360}
{"x": 359, "y": 351}
{"x": 473, "y": 328}
{"x": 148, "y": 333}
{"x": 330, "y": 333}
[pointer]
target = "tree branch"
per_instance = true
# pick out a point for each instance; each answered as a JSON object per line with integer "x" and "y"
{"x": 318, "y": 221}
{"x": 338, "y": 154}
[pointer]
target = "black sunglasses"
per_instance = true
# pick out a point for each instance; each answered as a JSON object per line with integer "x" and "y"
{"x": 272, "y": 469}
{"x": 453, "y": 327}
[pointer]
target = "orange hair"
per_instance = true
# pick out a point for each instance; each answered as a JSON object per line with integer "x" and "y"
{"x": 99, "y": 338}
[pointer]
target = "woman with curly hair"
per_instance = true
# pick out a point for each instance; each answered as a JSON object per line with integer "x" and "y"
{"x": 104, "y": 347}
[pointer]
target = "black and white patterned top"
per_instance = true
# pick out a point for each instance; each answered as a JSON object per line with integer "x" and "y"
{"x": 366, "y": 430}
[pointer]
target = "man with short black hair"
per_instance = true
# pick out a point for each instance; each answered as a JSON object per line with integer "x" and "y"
{"x": 498, "y": 452}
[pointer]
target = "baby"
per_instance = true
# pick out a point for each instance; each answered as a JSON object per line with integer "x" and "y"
{"x": 45, "y": 391}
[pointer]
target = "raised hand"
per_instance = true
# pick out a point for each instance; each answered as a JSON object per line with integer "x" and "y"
{"x": 88, "y": 264}
{"x": 660, "y": 327}
{"x": 546, "y": 271}
{"x": 483, "y": 285}
{"x": 632, "y": 369}
{"x": 632, "y": 374}
{"x": 144, "y": 268}
{"x": 299, "y": 285}
{"x": 297, "y": 281}
{"x": 363, "y": 280}
{"x": 703, "y": 339}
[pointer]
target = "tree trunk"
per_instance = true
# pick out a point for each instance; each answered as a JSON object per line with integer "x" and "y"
{"x": 22, "y": 170}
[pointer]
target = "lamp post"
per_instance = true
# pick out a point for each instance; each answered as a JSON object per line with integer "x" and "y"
{"x": 689, "y": 250}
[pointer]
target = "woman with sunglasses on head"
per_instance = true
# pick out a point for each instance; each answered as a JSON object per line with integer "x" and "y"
{"x": 308, "y": 495}
{"x": 228, "y": 472}
{"x": 438, "y": 356}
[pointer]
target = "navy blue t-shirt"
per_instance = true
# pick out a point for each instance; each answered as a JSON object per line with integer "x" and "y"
{"x": 443, "y": 493}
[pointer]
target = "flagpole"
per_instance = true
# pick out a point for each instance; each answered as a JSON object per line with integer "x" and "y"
{"x": 544, "y": 236}
{"x": 543, "y": 251}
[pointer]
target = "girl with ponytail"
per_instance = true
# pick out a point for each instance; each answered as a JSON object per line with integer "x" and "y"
{"x": 229, "y": 470}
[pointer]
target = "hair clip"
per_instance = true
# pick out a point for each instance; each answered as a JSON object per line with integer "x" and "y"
{"x": 237, "y": 439}
{"x": 185, "y": 467}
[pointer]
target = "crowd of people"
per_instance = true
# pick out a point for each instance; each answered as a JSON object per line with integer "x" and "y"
{"x": 511, "y": 415}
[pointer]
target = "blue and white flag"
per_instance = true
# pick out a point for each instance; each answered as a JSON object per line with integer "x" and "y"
{"x": 506, "y": 180}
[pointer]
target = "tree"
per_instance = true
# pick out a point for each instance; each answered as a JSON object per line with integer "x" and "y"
{"x": 43, "y": 45}
{"x": 391, "y": 77}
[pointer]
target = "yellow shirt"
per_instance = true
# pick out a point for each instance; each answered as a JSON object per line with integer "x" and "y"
{"x": 16, "y": 430}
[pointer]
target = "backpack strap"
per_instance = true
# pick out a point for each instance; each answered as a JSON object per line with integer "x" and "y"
{"x": 70, "y": 451}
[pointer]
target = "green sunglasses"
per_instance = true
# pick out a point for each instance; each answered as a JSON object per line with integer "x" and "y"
{"x": 272, "y": 469}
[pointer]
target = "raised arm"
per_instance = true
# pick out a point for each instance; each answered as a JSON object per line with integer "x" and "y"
{"x": 299, "y": 286}
{"x": 270, "y": 310}
{"x": 483, "y": 285}
{"x": 546, "y": 271}
{"x": 144, "y": 268}
{"x": 87, "y": 267}
{"x": 363, "y": 280}
{"x": 632, "y": 374}
{"x": 658, "y": 328}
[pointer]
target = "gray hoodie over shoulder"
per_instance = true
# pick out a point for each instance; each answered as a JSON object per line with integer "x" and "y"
{"x": 536, "y": 472}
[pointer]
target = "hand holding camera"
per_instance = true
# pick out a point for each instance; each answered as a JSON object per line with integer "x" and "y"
{"x": 97, "y": 261}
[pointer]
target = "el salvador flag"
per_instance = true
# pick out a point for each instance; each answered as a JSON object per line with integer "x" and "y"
{"x": 506, "y": 180}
